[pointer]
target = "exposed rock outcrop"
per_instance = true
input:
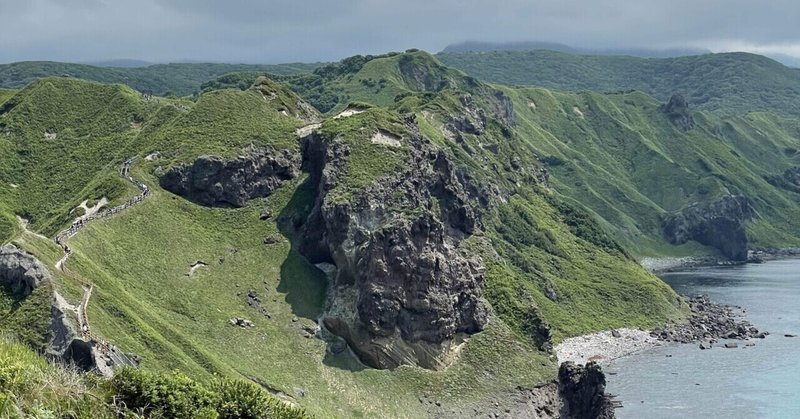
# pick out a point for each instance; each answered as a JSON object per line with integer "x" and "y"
{"x": 678, "y": 111}
{"x": 214, "y": 181}
{"x": 23, "y": 273}
{"x": 403, "y": 293}
{"x": 719, "y": 224}
{"x": 582, "y": 390}
{"x": 20, "y": 271}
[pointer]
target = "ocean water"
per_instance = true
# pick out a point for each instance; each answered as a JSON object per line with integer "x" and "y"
{"x": 682, "y": 381}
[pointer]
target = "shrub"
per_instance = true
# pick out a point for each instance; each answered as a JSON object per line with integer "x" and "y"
{"x": 170, "y": 395}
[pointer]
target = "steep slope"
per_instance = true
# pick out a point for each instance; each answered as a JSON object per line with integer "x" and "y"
{"x": 639, "y": 165}
{"x": 729, "y": 84}
{"x": 180, "y": 79}
{"x": 623, "y": 157}
{"x": 418, "y": 225}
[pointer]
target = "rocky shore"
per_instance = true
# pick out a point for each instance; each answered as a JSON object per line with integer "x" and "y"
{"x": 664, "y": 265}
{"x": 708, "y": 323}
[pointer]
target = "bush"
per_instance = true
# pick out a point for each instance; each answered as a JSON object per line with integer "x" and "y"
{"x": 177, "y": 396}
{"x": 170, "y": 395}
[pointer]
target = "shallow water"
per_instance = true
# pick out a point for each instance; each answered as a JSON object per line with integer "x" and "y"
{"x": 762, "y": 381}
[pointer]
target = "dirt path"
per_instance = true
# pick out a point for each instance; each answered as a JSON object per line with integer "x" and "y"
{"x": 61, "y": 240}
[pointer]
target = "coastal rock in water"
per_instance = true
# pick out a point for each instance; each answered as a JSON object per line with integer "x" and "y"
{"x": 719, "y": 224}
{"x": 214, "y": 181}
{"x": 403, "y": 292}
{"x": 677, "y": 109}
{"x": 582, "y": 390}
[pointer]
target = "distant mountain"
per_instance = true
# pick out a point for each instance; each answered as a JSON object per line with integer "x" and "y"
{"x": 786, "y": 60}
{"x": 159, "y": 79}
{"x": 729, "y": 83}
{"x": 120, "y": 63}
{"x": 472, "y": 46}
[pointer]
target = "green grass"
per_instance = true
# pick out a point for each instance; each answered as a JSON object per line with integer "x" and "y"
{"x": 144, "y": 303}
{"x": 30, "y": 387}
{"x": 366, "y": 161}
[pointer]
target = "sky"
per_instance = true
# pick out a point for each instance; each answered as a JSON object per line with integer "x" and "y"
{"x": 276, "y": 31}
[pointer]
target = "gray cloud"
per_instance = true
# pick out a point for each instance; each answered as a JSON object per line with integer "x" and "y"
{"x": 312, "y": 30}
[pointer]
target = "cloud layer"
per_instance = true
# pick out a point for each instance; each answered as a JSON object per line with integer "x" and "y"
{"x": 270, "y": 31}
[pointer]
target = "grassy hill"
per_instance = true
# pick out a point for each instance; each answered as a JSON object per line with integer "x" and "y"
{"x": 729, "y": 84}
{"x": 567, "y": 188}
{"x": 619, "y": 155}
{"x": 67, "y": 138}
{"x": 158, "y": 79}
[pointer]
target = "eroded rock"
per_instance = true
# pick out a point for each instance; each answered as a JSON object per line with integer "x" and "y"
{"x": 21, "y": 271}
{"x": 582, "y": 390}
{"x": 719, "y": 224}
{"x": 402, "y": 292}
{"x": 677, "y": 109}
{"x": 214, "y": 181}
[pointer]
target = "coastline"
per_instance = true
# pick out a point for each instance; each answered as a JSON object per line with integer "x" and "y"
{"x": 671, "y": 264}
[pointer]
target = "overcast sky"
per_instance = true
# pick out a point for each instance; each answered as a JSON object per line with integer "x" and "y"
{"x": 273, "y": 31}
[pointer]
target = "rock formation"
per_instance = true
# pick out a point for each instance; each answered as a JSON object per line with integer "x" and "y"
{"x": 582, "y": 390}
{"x": 678, "y": 111}
{"x": 23, "y": 273}
{"x": 403, "y": 292}
{"x": 718, "y": 224}
{"x": 214, "y": 181}
{"x": 20, "y": 271}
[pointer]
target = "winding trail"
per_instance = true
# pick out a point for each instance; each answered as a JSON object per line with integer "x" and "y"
{"x": 61, "y": 238}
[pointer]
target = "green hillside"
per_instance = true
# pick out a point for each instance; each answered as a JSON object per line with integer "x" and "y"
{"x": 408, "y": 172}
{"x": 550, "y": 270}
{"x": 730, "y": 83}
{"x": 180, "y": 79}
{"x": 616, "y": 154}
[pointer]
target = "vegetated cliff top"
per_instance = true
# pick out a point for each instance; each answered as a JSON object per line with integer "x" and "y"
{"x": 726, "y": 83}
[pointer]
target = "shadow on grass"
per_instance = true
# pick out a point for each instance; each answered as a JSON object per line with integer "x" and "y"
{"x": 303, "y": 284}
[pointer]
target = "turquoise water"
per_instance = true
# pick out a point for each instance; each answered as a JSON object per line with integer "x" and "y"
{"x": 748, "y": 382}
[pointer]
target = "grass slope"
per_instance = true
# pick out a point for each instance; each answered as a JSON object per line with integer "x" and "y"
{"x": 730, "y": 83}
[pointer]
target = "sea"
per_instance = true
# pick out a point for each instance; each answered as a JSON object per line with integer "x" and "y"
{"x": 761, "y": 381}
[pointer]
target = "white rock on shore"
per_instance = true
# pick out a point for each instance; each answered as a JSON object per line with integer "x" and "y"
{"x": 602, "y": 347}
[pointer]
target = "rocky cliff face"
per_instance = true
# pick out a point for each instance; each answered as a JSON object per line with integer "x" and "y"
{"x": 214, "y": 181}
{"x": 582, "y": 390}
{"x": 403, "y": 292}
{"x": 20, "y": 271}
{"x": 23, "y": 273}
{"x": 719, "y": 224}
{"x": 678, "y": 111}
